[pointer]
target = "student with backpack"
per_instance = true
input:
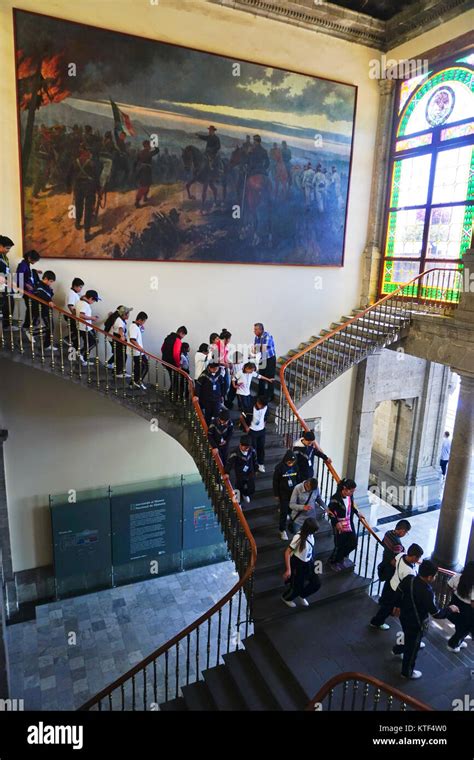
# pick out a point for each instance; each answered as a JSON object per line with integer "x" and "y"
{"x": 392, "y": 547}
{"x": 414, "y": 603}
{"x": 299, "y": 566}
{"x": 219, "y": 434}
{"x": 242, "y": 382}
{"x": 405, "y": 564}
{"x": 303, "y": 501}
{"x": 171, "y": 354}
{"x": 108, "y": 325}
{"x": 341, "y": 512}
{"x": 237, "y": 361}
{"x": 285, "y": 476}
{"x": 244, "y": 461}
{"x": 210, "y": 392}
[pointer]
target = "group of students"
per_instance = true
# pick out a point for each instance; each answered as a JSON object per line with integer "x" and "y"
{"x": 409, "y": 595}
{"x": 79, "y": 335}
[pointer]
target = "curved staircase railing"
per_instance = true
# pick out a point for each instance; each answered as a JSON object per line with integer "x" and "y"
{"x": 170, "y": 393}
{"x": 305, "y": 373}
{"x": 159, "y": 677}
{"x": 367, "y": 693}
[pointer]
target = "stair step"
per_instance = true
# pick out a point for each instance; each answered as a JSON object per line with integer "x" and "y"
{"x": 174, "y": 705}
{"x": 284, "y": 689}
{"x": 273, "y": 557}
{"x": 197, "y": 697}
{"x": 270, "y": 606}
{"x": 268, "y": 581}
{"x": 223, "y": 690}
{"x": 248, "y": 681}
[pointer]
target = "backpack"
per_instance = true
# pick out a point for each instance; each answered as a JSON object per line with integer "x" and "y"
{"x": 167, "y": 348}
{"x": 385, "y": 571}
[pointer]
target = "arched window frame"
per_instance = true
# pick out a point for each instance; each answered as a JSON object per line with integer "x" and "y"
{"x": 427, "y": 142}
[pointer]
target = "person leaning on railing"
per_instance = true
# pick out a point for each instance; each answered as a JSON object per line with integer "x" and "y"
{"x": 306, "y": 449}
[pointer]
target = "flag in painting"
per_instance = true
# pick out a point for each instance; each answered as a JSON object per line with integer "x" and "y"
{"x": 122, "y": 120}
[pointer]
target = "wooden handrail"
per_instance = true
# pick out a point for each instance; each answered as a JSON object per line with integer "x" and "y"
{"x": 354, "y": 676}
{"x": 326, "y": 337}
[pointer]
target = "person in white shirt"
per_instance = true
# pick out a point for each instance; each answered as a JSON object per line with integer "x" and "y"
{"x": 237, "y": 361}
{"x": 299, "y": 568}
{"x": 119, "y": 331}
{"x": 445, "y": 453}
{"x": 257, "y": 430}
{"x": 405, "y": 564}
{"x": 462, "y": 585}
{"x": 87, "y": 337}
{"x": 201, "y": 360}
{"x": 72, "y": 298}
{"x": 242, "y": 382}
{"x": 139, "y": 359}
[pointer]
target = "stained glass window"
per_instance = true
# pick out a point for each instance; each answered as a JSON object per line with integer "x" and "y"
{"x": 431, "y": 199}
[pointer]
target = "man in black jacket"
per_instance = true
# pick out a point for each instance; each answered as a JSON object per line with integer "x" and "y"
{"x": 414, "y": 602}
{"x": 171, "y": 353}
{"x": 219, "y": 434}
{"x": 306, "y": 449}
{"x": 210, "y": 389}
{"x": 285, "y": 478}
{"x": 244, "y": 461}
{"x": 6, "y": 301}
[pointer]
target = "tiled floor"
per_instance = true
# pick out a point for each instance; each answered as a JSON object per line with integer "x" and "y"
{"x": 112, "y": 630}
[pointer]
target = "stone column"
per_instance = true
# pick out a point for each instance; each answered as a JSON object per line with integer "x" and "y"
{"x": 457, "y": 479}
{"x": 360, "y": 445}
{"x": 372, "y": 252}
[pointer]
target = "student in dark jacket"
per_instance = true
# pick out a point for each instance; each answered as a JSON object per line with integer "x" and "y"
{"x": 405, "y": 564}
{"x": 219, "y": 434}
{"x": 210, "y": 391}
{"x": 43, "y": 290}
{"x": 341, "y": 512}
{"x": 414, "y": 603}
{"x": 299, "y": 566}
{"x": 171, "y": 353}
{"x": 27, "y": 278}
{"x": 306, "y": 449}
{"x": 285, "y": 477}
{"x": 462, "y": 585}
{"x": 244, "y": 461}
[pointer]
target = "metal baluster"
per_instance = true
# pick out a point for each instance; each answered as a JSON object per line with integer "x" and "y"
{"x": 197, "y": 654}
{"x": 355, "y": 687}
{"x": 133, "y": 693}
{"x": 219, "y": 628}
{"x": 155, "y": 683}
{"x": 177, "y": 670}
{"x": 330, "y": 696}
{"x": 110, "y": 702}
{"x": 145, "y": 689}
{"x": 122, "y": 694}
{"x": 187, "y": 658}
{"x": 365, "y": 695}
{"x": 344, "y": 692}
{"x": 377, "y": 699}
{"x": 389, "y": 703}
{"x": 166, "y": 674}
{"x": 208, "y": 646}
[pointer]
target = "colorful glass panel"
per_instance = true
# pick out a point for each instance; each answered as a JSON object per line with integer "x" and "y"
{"x": 448, "y": 234}
{"x": 407, "y": 87}
{"x": 410, "y": 181}
{"x": 415, "y": 142}
{"x": 450, "y": 133}
{"x": 453, "y": 180}
{"x": 445, "y": 97}
{"x": 405, "y": 233}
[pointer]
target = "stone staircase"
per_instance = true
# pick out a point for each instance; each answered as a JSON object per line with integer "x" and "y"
{"x": 253, "y": 677}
